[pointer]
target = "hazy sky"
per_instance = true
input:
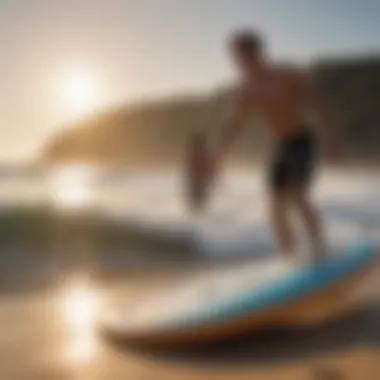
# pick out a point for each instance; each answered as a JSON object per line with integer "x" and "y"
{"x": 138, "y": 48}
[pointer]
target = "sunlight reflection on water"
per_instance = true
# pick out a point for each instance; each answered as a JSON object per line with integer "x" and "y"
{"x": 79, "y": 303}
{"x": 71, "y": 187}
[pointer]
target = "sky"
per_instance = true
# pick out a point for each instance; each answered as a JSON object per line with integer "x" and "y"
{"x": 134, "y": 49}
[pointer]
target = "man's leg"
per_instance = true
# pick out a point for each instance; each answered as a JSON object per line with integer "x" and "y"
{"x": 281, "y": 222}
{"x": 311, "y": 220}
{"x": 280, "y": 202}
{"x": 304, "y": 153}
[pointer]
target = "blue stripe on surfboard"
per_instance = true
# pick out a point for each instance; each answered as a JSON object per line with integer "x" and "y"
{"x": 299, "y": 283}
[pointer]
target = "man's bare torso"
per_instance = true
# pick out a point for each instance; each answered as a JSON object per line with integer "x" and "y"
{"x": 279, "y": 96}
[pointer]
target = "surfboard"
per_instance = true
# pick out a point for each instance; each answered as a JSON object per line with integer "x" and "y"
{"x": 215, "y": 305}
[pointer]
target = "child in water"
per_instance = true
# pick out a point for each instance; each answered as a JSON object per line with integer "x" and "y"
{"x": 197, "y": 173}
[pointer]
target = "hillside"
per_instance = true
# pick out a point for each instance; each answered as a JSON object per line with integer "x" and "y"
{"x": 151, "y": 133}
{"x": 156, "y": 132}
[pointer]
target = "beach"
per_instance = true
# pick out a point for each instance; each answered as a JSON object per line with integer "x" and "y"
{"x": 52, "y": 336}
{"x": 58, "y": 278}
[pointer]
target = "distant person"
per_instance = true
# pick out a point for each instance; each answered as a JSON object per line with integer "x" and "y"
{"x": 281, "y": 95}
{"x": 197, "y": 174}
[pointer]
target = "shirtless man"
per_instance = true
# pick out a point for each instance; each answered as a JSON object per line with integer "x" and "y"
{"x": 280, "y": 95}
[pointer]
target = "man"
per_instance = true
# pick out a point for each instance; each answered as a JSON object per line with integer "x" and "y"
{"x": 281, "y": 96}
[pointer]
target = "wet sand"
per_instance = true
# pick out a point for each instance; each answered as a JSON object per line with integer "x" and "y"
{"x": 51, "y": 335}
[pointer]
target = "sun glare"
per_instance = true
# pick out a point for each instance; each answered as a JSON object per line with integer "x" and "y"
{"x": 80, "y": 91}
{"x": 71, "y": 187}
{"x": 79, "y": 306}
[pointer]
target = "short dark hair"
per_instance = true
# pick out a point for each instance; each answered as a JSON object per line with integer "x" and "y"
{"x": 247, "y": 41}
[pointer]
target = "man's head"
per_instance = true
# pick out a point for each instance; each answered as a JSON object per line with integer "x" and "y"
{"x": 248, "y": 50}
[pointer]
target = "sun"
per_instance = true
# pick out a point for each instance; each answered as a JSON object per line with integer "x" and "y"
{"x": 80, "y": 91}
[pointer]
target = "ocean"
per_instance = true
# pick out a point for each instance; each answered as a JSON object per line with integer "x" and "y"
{"x": 111, "y": 221}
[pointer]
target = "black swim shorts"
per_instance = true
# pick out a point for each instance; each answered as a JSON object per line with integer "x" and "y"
{"x": 294, "y": 161}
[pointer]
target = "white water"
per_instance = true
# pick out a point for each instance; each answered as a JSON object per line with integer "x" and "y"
{"x": 236, "y": 221}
